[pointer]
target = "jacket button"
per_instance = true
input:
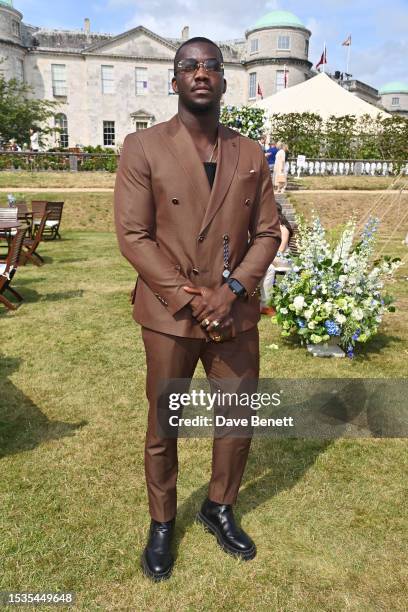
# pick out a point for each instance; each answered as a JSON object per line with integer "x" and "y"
{"x": 196, "y": 270}
{"x": 201, "y": 237}
{"x": 174, "y": 201}
{"x": 247, "y": 202}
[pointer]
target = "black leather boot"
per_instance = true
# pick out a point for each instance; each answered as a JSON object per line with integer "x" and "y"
{"x": 219, "y": 520}
{"x": 157, "y": 559}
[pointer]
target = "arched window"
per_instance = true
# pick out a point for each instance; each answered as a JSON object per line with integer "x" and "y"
{"x": 61, "y": 122}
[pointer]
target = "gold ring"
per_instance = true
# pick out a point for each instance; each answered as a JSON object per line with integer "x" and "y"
{"x": 215, "y": 323}
{"x": 217, "y": 338}
{"x": 205, "y": 323}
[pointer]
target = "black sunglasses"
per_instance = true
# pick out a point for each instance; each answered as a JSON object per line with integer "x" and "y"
{"x": 191, "y": 65}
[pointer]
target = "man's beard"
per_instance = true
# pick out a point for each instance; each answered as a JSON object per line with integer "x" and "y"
{"x": 202, "y": 109}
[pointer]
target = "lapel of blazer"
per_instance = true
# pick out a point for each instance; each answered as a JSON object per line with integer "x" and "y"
{"x": 228, "y": 153}
{"x": 178, "y": 140}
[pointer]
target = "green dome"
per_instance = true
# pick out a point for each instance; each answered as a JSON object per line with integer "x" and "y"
{"x": 394, "y": 87}
{"x": 7, "y": 2}
{"x": 277, "y": 19}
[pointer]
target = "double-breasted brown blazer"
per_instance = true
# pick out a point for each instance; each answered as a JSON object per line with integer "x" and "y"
{"x": 171, "y": 225}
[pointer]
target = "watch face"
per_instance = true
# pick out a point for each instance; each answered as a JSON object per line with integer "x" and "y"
{"x": 236, "y": 286}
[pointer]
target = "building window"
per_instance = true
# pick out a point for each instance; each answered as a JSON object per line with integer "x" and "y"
{"x": 108, "y": 133}
{"x": 280, "y": 79}
{"x": 59, "y": 79}
{"x": 20, "y": 70}
{"x": 170, "y": 75}
{"x": 395, "y": 102}
{"x": 307, "y": 48}
{"x": 141, "y": 125}
{"x": 15, "y": 25}
{"x": 108, "y": 81}
{"x": 61, "y": 122}
{"x": 283, "y": 43}
{"x": 254, "y": 45}
{"x": 252, "y": 85}
{"x": 141, "y": 81}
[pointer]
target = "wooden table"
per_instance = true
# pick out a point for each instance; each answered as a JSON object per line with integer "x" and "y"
{"x": 6, "y": 227}
{"x": 9, "y": 225}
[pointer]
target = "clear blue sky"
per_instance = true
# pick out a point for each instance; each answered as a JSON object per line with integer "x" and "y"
{"x": 379, "y": 29}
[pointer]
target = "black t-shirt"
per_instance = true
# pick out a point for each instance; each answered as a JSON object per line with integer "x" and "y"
{"x": 210, "y": 170}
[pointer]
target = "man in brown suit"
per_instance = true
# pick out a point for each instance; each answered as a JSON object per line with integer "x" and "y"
{"x": 196, "y": 216}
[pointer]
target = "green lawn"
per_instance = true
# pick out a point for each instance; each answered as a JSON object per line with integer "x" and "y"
{"x": 329, "y": 517}
{"x": 107, "y": 180}
{"x": 365, "y": 183}
{"x": 23, "y": 178}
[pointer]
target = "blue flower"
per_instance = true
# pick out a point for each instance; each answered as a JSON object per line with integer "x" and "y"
{"x": 332, "y": 328}
{"x": 300, "y": 322}
{"x": 350, "y": 351}
{"x": 356, "y": 335}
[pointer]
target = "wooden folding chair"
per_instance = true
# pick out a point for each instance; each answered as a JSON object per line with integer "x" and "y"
{"x": 37, "y": 212}
{"x": 54, "y": 210}
{"x": 8, "y": 269}
{"x": 51, "y": 230}
{"x": 29, "y": 250}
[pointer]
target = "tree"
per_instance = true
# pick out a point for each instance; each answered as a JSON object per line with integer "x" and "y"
{"x": 19, "y": 111}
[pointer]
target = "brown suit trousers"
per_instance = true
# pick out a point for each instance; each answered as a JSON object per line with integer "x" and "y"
{"x": 170, "y": 357}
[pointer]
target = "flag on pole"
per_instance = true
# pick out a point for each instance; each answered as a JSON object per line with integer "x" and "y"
{"x": 260, "y": 93}
{"x": 323, "y": 59}
{"x": 347, "y": 42}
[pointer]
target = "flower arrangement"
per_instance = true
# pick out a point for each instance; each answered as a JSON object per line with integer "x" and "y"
{"x": 334, "y": 294}
{"x": 246, "y": 120}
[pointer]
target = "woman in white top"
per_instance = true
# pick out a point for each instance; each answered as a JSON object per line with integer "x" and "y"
{"x": 34, "y": 140}
{"x": 279, "y": 171}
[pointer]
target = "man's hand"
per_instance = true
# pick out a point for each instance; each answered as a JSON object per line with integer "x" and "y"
{"x": 212, "y": 304}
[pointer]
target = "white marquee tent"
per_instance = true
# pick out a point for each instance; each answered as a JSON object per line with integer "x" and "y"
{"x": 320, "y": 95}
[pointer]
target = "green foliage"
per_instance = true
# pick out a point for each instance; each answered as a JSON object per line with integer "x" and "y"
{"x": 247, "y": 120}
{"x": 302, "y": 132}
{"x": 53, "y": 161}
{"x": 19, "y": 111}
{"x": 347, "y": 137}
{"x": 339, "y": 135}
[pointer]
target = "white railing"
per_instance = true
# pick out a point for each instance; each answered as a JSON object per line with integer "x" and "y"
{"x": 344, "y": 167}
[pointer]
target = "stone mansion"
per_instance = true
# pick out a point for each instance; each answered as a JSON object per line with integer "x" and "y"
{"x": 108, "y": 86}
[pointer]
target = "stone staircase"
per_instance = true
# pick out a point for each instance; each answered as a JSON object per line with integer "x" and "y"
{"x": 287, "y": 207}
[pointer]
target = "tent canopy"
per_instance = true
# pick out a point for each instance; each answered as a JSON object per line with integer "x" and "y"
{"x": 320, "y": 95}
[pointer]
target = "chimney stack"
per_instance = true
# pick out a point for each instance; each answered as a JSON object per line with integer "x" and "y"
{"x": 185, "y": 33}
{"x": 87, "y": 25}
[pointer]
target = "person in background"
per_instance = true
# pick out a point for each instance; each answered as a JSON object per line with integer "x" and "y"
{"x": 280, "y": 261}
{"x": 262, "y": 143}
{"x": 279, "y": 171}
{"x": 34, "y": 140}
{"x": 13, "y": 146}
{"x": 271, "y": 154}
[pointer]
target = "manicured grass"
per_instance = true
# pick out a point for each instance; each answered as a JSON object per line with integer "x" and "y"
{"x": 365, "y": 183}
{"x": 56, "y": 179}
{"x": 328, "y": 516}
{"x": 107, "y": 180}
{"x": 92, "y": 211}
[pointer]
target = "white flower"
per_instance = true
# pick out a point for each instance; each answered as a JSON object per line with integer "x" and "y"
{"x": 311, "y": 325}
{"x": 308, "y": 313}
{"x": 357, "y": 314}
{"x": 340, "y": 318}
{"x": 299, "y": 302}
{"x": 283, "y": 310}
